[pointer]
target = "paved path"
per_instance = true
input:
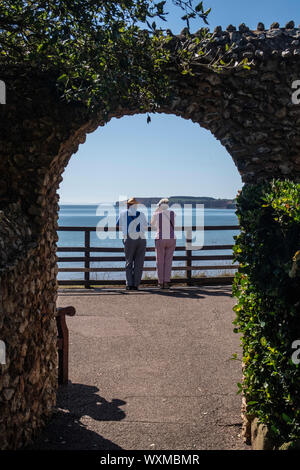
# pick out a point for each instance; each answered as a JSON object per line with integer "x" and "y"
{"x": 149, "y": 370}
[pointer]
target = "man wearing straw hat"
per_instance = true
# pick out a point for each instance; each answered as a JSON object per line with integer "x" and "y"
{"x": 133, "y": 224}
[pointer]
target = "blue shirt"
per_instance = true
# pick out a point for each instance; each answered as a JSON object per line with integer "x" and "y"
{"x": 133, "y": 224}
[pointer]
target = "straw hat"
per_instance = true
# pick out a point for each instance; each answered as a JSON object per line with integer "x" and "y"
{"x": 132, "y": 201}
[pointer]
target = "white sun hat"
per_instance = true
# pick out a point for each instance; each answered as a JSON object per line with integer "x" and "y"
{"x": 163, "y": 203}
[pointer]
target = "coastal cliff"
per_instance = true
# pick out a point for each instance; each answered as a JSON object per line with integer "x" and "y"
{"x": 209, "y": 202}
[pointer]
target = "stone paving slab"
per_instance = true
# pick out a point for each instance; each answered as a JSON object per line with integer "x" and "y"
{"x": 149, "y": 370}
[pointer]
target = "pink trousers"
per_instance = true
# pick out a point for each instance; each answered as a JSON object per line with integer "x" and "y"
{"x": 164, "y": 255}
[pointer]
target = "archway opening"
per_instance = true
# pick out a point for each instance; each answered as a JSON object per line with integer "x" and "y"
{"x": 154, "y": 351}
{"x": 168, "y": 157}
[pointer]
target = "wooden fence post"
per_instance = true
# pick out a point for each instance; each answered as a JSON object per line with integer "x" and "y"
{"x": 188, "y": 263}
{"x": 87, "y": 245}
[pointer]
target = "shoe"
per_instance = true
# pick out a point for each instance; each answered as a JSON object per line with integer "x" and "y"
{"x": 160, "y": 286}
{"x": 134, "y": 288}
{"x": 128, "y": 287}
{"x": 166, "y": 285}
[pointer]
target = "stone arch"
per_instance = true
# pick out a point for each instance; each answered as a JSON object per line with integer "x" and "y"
{"x": 249, "y": 111}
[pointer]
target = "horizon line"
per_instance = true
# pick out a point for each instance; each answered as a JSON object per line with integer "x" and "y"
{"x": 140, "y": 197}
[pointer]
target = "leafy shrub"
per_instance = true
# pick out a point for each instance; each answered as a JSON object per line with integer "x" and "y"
{"x": 267, "y": 288}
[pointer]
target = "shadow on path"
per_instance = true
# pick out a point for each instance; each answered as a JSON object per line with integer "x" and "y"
{"x": 190, "y": 293}
{"x": 66, "y": 431}
{"x": 181, "y": 292}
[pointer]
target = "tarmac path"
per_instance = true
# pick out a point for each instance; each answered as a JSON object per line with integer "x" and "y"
{"x": 149, "y": 370}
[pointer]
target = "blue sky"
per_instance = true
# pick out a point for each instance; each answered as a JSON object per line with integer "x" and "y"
{"x": 170, "y": 156}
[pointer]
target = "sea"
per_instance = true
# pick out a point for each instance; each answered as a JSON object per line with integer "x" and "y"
{"x": 107, "y": 214}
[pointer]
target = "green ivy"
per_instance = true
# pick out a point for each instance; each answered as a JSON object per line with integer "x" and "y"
{"x": 267, "y": 288}
{"x": 101, "y": 53}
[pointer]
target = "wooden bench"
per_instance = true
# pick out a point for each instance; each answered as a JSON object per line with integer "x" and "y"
{"x": 63, "y": 343}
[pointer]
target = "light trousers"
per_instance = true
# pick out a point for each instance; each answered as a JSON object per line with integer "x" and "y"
{"x": 164, "y": 256}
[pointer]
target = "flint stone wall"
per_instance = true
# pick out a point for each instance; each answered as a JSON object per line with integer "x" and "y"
{"x": 249, "y": 111}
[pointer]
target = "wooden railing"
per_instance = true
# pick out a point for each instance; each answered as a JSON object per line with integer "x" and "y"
{"x": 188, "y": 257}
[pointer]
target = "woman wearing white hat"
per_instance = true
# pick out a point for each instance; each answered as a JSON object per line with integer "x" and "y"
{"x": 165, "y": 241}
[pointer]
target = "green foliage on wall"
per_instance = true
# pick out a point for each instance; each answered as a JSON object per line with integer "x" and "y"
{"x": 267, "y": 288}
{"x": 100, "y": 52}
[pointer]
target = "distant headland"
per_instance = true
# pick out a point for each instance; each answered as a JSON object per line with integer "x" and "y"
{"x": 209, "y": 202}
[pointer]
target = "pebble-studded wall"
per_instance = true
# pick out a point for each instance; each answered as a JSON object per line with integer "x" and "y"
{"x": 254, "y": 113}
